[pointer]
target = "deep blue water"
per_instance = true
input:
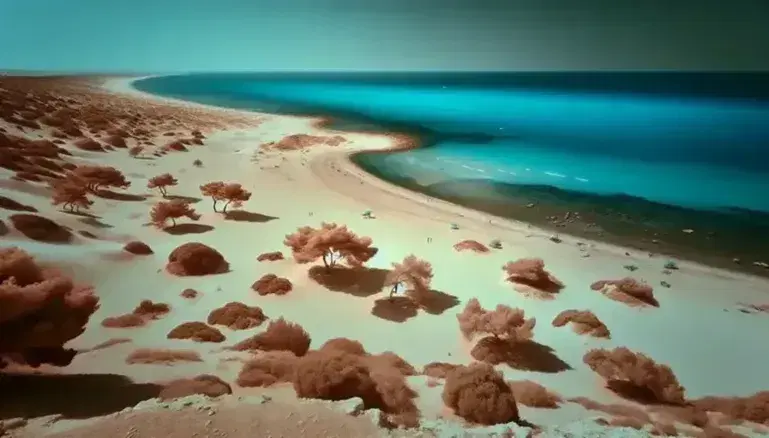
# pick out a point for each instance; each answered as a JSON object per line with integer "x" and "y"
{"x": 697, "y": 140}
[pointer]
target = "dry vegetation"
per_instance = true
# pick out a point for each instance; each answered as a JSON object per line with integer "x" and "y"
{"x": 237, "y": 316}
{"x": 584, "y": 322}
{"x": 195, "y": 258}
{"x": 40, "y": 311}
{"x": 531, "y": 272}
{"x": 628, "y": 291}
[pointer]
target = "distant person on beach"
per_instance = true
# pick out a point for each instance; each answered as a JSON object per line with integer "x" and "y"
{"x": 429, "y": 240}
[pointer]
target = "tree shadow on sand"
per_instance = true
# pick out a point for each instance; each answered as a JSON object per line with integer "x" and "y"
{"x": 401, "y": 309}
{"x": 524, "y": 356}
{"x": 359, "y": 282}
{"x": 635, "y": 393}
{"x": 115, "y": 196}
{"x": 187, "y": 199}
{"x": 94, "y": 221}
{"x": 3, "y": 228}
{"x": 184, "y": 229}
{"x": 247, "y": 216}
{"x": 70, "y": 395}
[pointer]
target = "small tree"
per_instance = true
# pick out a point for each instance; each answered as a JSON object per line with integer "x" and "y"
{"x": 412, "y": 274}
{"x": 504, "y": 322}
{"x": 162, "y": 181}
{"x": 70, "y": 195}
{"x": 94, "y": 178}
{"x": 231, "y": 193}
{"x": 135, "y": 151}
{"x": 164, "y": 211}
{"x": 214, "y": 190}
{"x": 332, "y": 243}
{"x": 234, "y": 194}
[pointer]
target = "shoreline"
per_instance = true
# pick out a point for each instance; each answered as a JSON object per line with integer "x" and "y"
{"x": 537, "y": 223}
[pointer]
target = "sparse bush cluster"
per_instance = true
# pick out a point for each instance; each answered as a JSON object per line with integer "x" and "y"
{"x": 72, "y": 191}
{"x": 40, "y": 310}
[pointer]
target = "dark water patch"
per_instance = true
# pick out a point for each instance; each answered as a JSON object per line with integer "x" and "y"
{"x": 718, "y": 237}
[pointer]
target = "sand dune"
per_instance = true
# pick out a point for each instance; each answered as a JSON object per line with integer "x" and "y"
{"x": 701, "y": 337}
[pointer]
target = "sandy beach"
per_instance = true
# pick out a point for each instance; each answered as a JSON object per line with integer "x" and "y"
{"x": 707, "y": 325}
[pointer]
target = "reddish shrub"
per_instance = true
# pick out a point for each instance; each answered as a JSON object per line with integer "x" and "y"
{"x": 472, "y": 245}
{"x": 88, "y": 144}
{"x": 70, "y": 195}
{"x": 195, "y": 258}
{"x": 40, "y": 229}
{"x": 128, "y": 320}
{"x": 95, "y": 178}
{"x": 280, "y": 335}
{"x": 330, "y": 242}
{"x": 230, "y": 193}
{"x": 479, "y": 394}
{"x": 627, "y": 290}
{"x": 531, "y": 272}
{"x": 636, "y": 373}
{"x": 135, "y": 151}
{"x": 196, "y": 331}
{"x": 115, "y": 141}
{"x": 534, "y": 395}
{"x": 162, "y": 182}
{"x": 172, "y": 210}
{"x": 438, "y": 370}
{"x": 753, "y": 408}
{"x": 392, "y": 361}
{"x": 204, "y": 384}
{"x": 175, "y": 146}
{"x": 583, "y": 322}
{"x": 40, "y": 311}
{"x": 334, "y": 375}
{"x": 413, "y": 275}
{"x": 268, "y": 368}
{"x": 151, "y": 310}
{"x": 345, "y": 345}
{"x": 137, "y": 248}
{"x": 154, "y": 356}
{"x": 270, "y": 256}
{"x": 272, "y": 284}
{"x": 146, "y": 311}
{"x": 189, "y": 293}
{"x": 237, "y": 316}
{"x": 504, "y": 322}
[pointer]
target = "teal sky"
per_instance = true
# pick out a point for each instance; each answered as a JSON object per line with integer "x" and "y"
{"x": 157, "y": 36}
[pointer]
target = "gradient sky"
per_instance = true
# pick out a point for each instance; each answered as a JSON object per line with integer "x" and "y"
{"x": 155, "y": 36}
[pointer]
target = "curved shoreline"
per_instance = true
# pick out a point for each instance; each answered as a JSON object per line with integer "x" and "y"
{"x": 402, "y": 142}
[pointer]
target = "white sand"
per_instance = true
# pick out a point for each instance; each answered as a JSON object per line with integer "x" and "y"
{"x": 712, "y": 347}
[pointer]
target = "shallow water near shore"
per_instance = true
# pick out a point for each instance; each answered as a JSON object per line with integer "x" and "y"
{"x": 632, "y": 158}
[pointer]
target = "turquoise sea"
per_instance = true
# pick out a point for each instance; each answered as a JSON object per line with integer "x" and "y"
{"x": 640, "y": 155}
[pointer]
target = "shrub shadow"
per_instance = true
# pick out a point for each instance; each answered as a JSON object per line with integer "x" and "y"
{"x": 183, "y": 229}
{"x": 395, "y": 309}
{"x": 359, "y": 282}
{"x": 631, "y": 392}
{"x": 115, "y": 196}
{"x": 82, "y": 214}
{"x": 94, "y": 222}
{"x": 437, "y": 302}
{"x": 3, "y": 228}
{"x": 10, "y": 204}
{"x": 75, "y": 396}
{"x": 523, "y": 356}
{"x": 41, "y": 229}
{"x": 402, "y": 308}
{"x": 247, "y": 216}
{"x": 188, "y": 199}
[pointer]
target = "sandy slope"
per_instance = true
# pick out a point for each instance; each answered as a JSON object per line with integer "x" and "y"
{"x": 698, "y": 329}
